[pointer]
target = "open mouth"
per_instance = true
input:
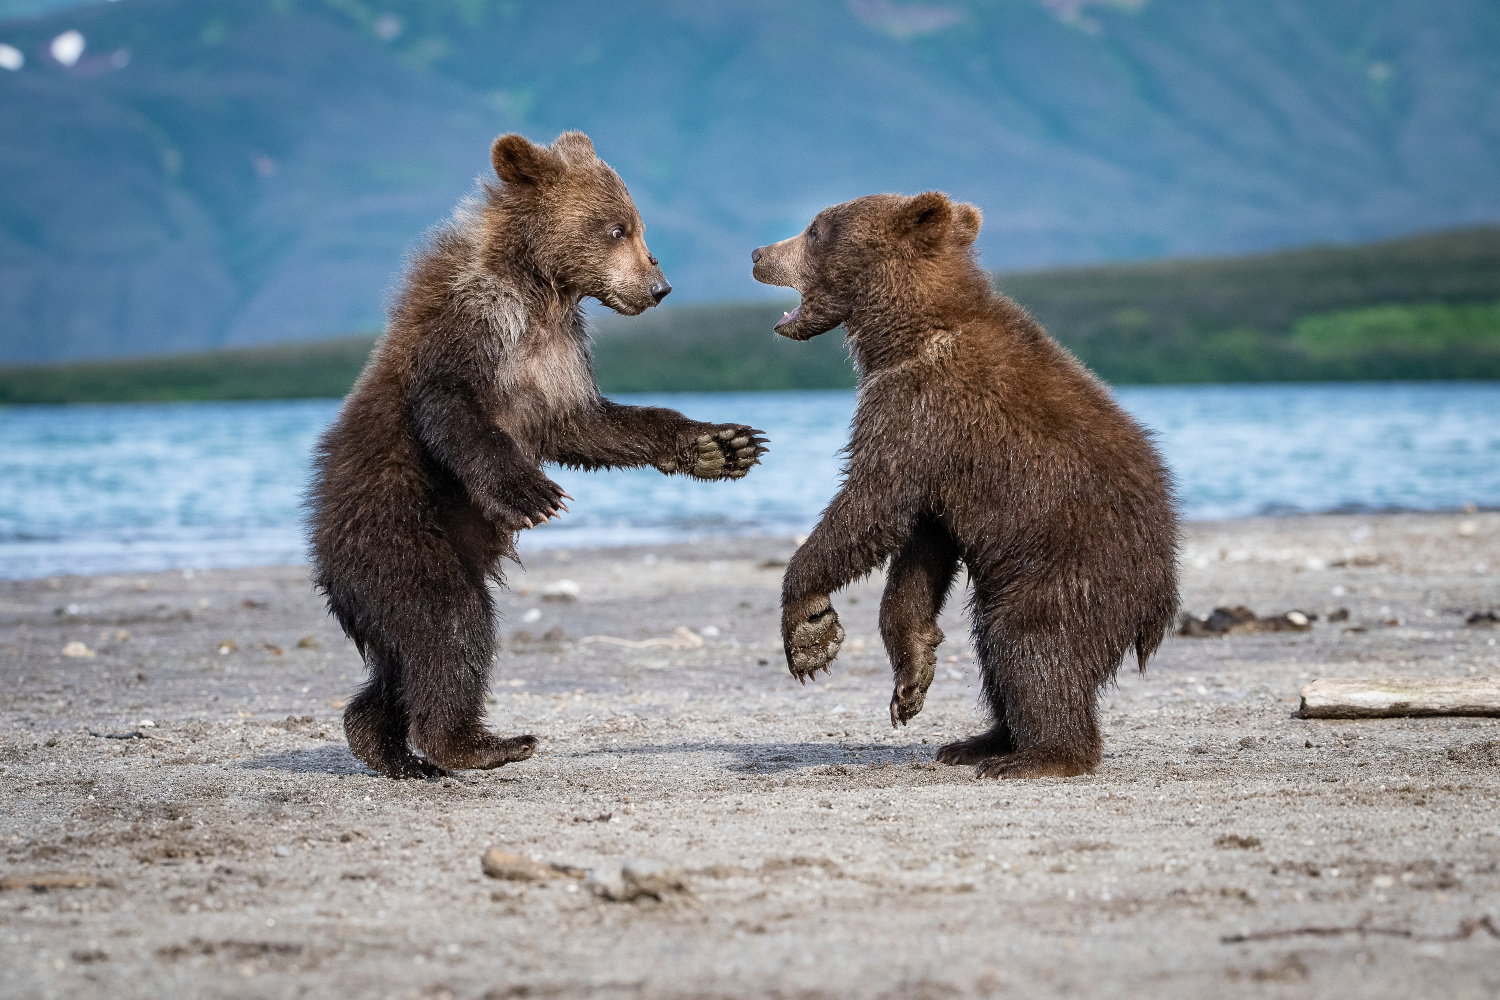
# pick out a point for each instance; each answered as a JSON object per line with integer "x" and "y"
{"x": 789, "y": 317}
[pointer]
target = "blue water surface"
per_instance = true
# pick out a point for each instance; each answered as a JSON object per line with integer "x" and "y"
{"x": 136, "y": 487}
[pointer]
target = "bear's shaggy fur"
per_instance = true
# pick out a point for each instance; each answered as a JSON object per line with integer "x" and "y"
{"x": 484, "y": 374}
{"x": 977, "y": 439}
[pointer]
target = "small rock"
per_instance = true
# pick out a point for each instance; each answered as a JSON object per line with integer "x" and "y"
{"x": 227, "y": 646}
{"x": 308, "y": 641}
{"x": 145, "y": 724}
{"x": 1242, "y": 621}
{"x": 123, "y": 635}
{"x": 1478, "y": 618}
{"x": 709, "y": 631}
{"x": 77, "y": 650}
{"x": 1221, "y": 621}
{"x": 554, "y": 635}
{"x": 1341, "y": 615}
{"x": 533, "y": 615}
{"x": 632, "y": 878}
{"x": 1291, "y": 621}
{"x": 1468, "y": 529}
{"x": 515, "y": 868}
{"x": 282, "y": 851}
{"x": 561, "y": 592}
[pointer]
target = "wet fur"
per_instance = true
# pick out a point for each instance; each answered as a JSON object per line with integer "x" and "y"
{"x": 434, "y": 463}
{"x": 977, "y": 440}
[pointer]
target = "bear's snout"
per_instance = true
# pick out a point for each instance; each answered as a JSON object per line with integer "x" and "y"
{"x": 778, "y": 264}
{"x": 661, "y": 290}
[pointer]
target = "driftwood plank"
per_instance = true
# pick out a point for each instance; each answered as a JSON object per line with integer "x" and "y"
{"x": 1328, "y": 698}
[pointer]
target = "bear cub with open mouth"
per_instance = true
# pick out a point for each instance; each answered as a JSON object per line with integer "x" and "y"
{"x": 977, "y": 439}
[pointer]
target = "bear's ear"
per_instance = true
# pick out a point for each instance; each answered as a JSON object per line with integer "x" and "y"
{"x": 518, "y": 160}
{"x": 925, "y": 219}
{"x": 966, "y": 220}
{"x": 575, "y": 148}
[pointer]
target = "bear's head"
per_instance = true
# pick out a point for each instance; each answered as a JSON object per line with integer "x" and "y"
{"x": 577, "y": 222}
{"x": 866, "y": 251}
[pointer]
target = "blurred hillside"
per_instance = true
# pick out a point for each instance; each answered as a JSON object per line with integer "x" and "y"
{"x": 1425, "y": 307}
{"x": 209, "y": 173}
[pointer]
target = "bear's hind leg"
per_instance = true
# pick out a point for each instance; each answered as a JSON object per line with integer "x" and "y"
{"x": 446, "y": 667}
{"x": 1044, "y": 702}
{"x": 375, "y": 725}
{"x": 916, "y": 587}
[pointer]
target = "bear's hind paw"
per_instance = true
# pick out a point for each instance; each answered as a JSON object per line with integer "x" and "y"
{"x": 409, "y": 765}
{"x": 1033, "y": 763}
{"x": 989, "y": 745}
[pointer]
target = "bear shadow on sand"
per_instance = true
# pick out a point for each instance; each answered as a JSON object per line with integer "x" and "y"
{"x": 770, "y": 758}
{"x": 334, "y": 759}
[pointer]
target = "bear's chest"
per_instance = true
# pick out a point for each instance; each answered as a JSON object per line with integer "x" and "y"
{"x": 547, "y": 374}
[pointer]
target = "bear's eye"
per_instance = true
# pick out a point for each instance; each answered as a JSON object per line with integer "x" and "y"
{"x": 617, "y": 232}
{"x": 812, "y": 234}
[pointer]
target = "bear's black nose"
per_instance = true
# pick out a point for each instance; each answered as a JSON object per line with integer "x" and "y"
{"x": 661, "y": 290}
{"x": 755, "y": 256}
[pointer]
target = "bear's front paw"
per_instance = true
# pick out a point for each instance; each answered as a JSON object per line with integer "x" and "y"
{"x": 528, "y": 501}
{"x": 725, "y": 451}
{"x": 812, "y": 639}
{"x": 915, "y": 666}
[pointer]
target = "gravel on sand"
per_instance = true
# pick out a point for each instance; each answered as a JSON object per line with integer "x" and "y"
{"x": 182, "y": 817}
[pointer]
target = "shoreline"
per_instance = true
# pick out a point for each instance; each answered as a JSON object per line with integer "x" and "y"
{"x": 776, "y": 538}
{"x": 235, "y": 846}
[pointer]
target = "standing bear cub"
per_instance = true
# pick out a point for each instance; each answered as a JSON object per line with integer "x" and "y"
{"x": 976, "y": 439}
{"x": 434, "y": 463}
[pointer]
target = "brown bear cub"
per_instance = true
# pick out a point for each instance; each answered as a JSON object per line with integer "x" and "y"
{"x": 434, "y": 463}
{"x": 976, "y": 439}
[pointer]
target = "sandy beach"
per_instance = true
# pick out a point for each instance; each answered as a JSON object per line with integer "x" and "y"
{"x": 182, "y": 816}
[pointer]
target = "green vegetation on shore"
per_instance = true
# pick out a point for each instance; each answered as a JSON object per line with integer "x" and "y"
{"x": 1424, "y": 307}
{"x": 708, "y": 348}
{"x": 310, "y": 370}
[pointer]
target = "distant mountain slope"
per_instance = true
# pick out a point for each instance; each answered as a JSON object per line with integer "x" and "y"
{"x": 1425, "y": 307}
{"x": 221, "y": 172}
{"x": 11, "y": 9}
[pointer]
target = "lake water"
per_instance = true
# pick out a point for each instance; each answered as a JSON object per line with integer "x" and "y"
{"x": 137, "y": 487}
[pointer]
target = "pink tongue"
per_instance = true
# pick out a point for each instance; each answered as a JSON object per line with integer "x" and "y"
{"x": 788, "y": 317}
